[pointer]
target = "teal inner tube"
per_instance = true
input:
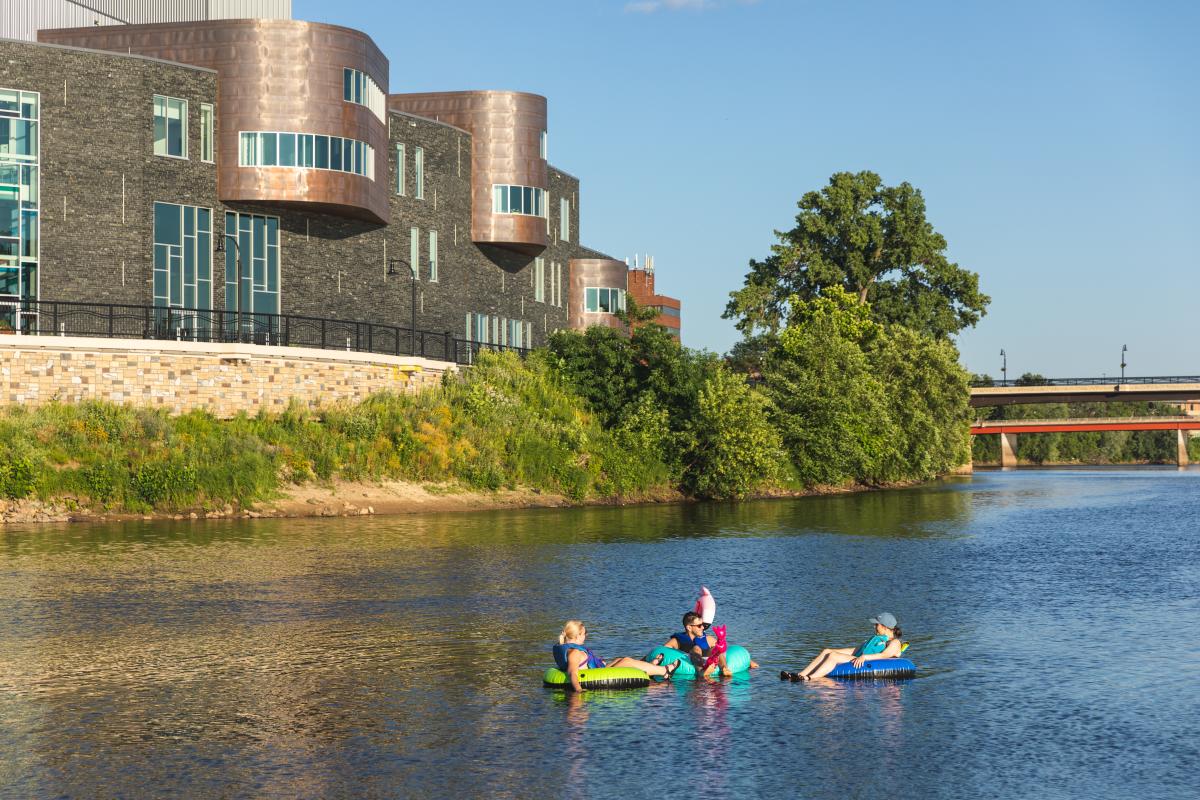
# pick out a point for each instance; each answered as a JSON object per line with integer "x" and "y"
{"x": 737, "y": 658}
{"x": 600, "y": 678}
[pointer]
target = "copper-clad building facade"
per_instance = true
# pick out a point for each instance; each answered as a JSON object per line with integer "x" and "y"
{"x": 594, "y": 275}
{"x": 273, "y": 76}
{"x": 508, "y": 130}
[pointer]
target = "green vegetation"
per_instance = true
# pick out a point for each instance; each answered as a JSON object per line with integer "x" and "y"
{"x": 873, "y": 241}
{"x": 1093, "y": 447}
{"x": 503, "y": 423}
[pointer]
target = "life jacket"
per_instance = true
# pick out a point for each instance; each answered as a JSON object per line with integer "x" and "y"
{"x": 686, "y": 643}
{"x": 560, "y": 656}
{"x": 873, "y": 646}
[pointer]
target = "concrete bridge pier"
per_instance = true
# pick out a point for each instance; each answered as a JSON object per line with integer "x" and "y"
{"x": 1008, "y": 450}
{"x": 1182, "y": 442}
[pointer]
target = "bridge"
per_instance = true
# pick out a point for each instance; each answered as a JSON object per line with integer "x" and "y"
{"x": 1171, "y": 389}
{"x": 1008, "y": 429}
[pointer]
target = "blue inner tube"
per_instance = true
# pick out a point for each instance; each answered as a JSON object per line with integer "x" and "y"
{"x": 736, "y": 656}
{"x": 880, "y": 668}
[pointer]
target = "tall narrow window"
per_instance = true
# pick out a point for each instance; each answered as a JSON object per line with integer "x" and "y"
{"x": 544, "y": 145}
{"x": 564, "y": 219}
{"x": 539, "y": 280}
{"x": 206, "y": 132}
{"x": 414, "y": 250}
{"x": 182, "y": 257}
{"x": 255, "y": 261}
{"x": 400, "y": 170}
{"x": 170, "y": 126}
{"x": 433, "y": 257}
{"x": 419, "y": 172}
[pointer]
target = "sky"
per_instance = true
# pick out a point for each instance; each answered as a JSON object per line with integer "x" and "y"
{"x": 1057, "y": 144}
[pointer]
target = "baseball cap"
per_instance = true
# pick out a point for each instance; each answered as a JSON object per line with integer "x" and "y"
{"x": 886, "y": 619}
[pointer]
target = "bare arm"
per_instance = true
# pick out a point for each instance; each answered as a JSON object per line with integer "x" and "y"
{"x": 891, "y": 651}
{"x": 575, "y": 660}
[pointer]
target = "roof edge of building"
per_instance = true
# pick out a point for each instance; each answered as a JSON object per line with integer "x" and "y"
{"x": 113, "y": 53}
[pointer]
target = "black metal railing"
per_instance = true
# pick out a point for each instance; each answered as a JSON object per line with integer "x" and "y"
{"x": 1105, "y": 381}
{"x": 118, "y": 321}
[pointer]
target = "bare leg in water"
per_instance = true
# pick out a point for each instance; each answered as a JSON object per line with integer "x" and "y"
{"x": 824, "y": 662}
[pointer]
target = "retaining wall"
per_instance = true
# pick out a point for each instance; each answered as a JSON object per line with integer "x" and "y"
{"x": 225, "y": 379}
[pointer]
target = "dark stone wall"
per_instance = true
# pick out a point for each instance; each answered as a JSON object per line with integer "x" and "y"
{"x": 100, "y": 132}
{"x": 99, "y": 172}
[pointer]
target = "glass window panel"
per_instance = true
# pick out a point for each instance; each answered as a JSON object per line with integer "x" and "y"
{"x": 248, "y": 150}
{"x": 514, "y": 199}
{"x": 29, "y": 234}
{"x": 203, "y": 220}
{"x": 10, "y": 281}
{"x": 29, "y": 281}
{"x": 306, "y": 150}
{"x": 527, "y": 200}
{"x": 287, "y": 149}
{"x": 593, "y": 302}
{"x": 260, "y": 251}
{"x": 176, "y": 127}
{"x": 10, "y": 102}
{"x": 335, "y": 152}
{"x": 400, "y": 169}
{"x": 347, "y": 83}
{"x": 419, "y": 171}
{"x": 10, "y": 211}
{"x": 175, "y": 274}
{"x": 414, "y": 250}
{"x": 206, "y": 132}
{"x": 268, "y": 144}
{"x": 322, "y": 154}
{"x": 166, "y": 224}
{"x": 160, "y": 125}
{"x": 29, "y": 105}
{"x": 433, "y": 256}
{"x": 29, "y": 185}
{"x": 272, "y": 231}
{"x": 497, "y": 202}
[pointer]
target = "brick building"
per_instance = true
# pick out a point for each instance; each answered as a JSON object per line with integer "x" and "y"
{"x": 264, "y": 167}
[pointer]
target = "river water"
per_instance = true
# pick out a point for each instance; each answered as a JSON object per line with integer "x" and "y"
{"x": 1053, "y": 615}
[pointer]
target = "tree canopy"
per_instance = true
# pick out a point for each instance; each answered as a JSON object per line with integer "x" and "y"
{"x": 873, "y": 241}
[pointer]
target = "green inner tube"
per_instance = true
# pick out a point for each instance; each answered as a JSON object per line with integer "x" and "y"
{"x": 602, "y": 678}
{"x": 737, "y": 657}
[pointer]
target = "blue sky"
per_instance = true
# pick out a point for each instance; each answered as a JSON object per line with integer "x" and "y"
{"x": 1057, "y": 143}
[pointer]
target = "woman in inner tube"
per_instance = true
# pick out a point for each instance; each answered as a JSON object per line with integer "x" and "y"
{"x": 570, "y": 656}
{"x": 884, "y": 644}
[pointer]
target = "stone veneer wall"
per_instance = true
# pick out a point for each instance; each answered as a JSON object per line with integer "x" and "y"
{"x": 225, "y": 379}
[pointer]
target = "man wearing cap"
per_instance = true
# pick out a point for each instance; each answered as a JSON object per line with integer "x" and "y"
{"x": 884, "y": 644}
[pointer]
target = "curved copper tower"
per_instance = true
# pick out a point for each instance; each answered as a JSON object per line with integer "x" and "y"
{"x": 598, "y": 272}
{"x": 506, "y": 133}
{"x": 273, "y": 75}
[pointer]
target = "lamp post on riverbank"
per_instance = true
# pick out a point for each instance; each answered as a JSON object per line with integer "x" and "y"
{"x": 392, "y": 262}
{"x": 1003, "y": 368}
{"x": 237, "y": 260}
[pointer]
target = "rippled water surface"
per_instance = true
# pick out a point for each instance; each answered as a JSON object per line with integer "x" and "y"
{"x": 1053, "y": 615}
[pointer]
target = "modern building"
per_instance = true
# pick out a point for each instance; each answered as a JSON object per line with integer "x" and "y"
{"x": 210, "y": 166}
{"x": 641, "y": 288}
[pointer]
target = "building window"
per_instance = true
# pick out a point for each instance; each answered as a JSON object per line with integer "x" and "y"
{"x": 359, "y": 87}
{"x": 419, "y": 172}
{"x": 668, "y": 310}
{"x": 414, "y": 251}
{"x": 206, "y": 132}
{"x": 19, "y": 218}
{"x": 433, "y": 257}
{"x": 258, "y": 250}
{"x": 400, "y": 169}
{"x": 604, "y": 300}
{"x": 544, "y": 145}
{"x": 556, "y": 284}
{"x": 305, "y": 151}
{"x": 539, "y": 280}
{"x": 564, "y": 219}
{"x": 170, "y": 126}
{"x": 527, "y": 200}
{"x": 183, "y": 259}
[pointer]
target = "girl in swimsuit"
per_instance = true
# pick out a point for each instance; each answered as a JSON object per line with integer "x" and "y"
{"x": 884, "y": 644}
{"x": 570, "y": 650}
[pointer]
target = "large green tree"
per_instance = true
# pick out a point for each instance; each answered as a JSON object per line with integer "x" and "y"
{"x": 873, "y": 241}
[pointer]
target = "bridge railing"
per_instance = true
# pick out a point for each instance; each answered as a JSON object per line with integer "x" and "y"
{"x": 1102, "y": 381}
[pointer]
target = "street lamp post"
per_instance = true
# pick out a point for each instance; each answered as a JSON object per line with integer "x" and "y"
{"x": 1003, "y": 368}
{"x": 412, "y": 271}
{"x": 1124, "y": 350}
{"x": 237, "y": 260}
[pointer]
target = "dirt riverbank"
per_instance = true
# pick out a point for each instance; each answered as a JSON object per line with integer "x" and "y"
{"x": 342, "y": 499}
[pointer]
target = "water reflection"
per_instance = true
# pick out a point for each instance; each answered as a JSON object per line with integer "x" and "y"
{"x": 403, "y": 656}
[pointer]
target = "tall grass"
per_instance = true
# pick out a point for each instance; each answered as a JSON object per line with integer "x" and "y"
{"x": 503, "y": 423}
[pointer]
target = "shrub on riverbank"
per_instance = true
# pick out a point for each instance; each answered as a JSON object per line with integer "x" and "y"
{"x": 503, "y": 423}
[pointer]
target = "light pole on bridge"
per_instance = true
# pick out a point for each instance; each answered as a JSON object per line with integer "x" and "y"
{"x": 1124, "y": 349}
{"x": 1003, "y": 368}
